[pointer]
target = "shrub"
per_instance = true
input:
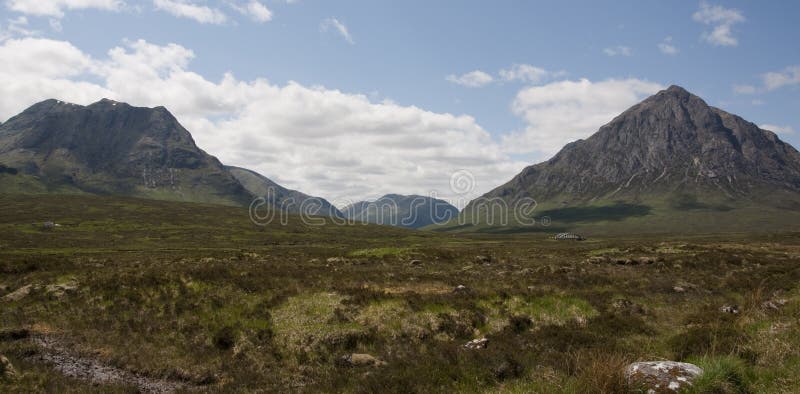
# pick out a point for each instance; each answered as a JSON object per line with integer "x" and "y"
{"x": 723, "y": 375}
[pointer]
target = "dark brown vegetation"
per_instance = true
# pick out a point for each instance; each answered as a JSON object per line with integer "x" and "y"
{"x": 196, "y": 294}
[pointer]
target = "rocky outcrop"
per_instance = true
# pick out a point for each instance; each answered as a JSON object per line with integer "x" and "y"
{"x": 661, "y": 376}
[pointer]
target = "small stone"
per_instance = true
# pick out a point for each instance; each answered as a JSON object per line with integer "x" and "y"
{"x": 7, "y": 370}
{"x": 732, "y": 309}
{"x": 360, "y": 360}
{"x": 461, "y": 289}
{"x": 335, "y": 260}
{"x": 661, "y": 376}
{"x": 679, "y": 289}
{"x": 415, "y": 262}
{"x": 480, "y": 343}
{"x": 483, "y": 259}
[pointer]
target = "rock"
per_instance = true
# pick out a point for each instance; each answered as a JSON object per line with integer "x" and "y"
{"x": 480, "y": 343}
{"x": 19, "y": 294}
{"x": 774, "y": 304}
{"x": 7, "y": 370}
{"x": 313, "y": 261}
{"x": 732, "y": 309}
{"x": 360, "y": 360}
{"x": 335, "y": 260}
{"x": 597, "y": 260}
{"x": 661, "y": 376}
{"x": 61, "y": 289}
{"x": 646, "y": 260}
{"x": 626, "y": 306}
{"x": 48, "y": 225}
{"x": 461, "y": 289}
{"x": 679, "y": 289}
{"x": 483, "y": 259}
{"x": 415, "y": 262}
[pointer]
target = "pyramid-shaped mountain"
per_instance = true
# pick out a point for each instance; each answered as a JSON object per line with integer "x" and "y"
{"x": 671, "y": 152}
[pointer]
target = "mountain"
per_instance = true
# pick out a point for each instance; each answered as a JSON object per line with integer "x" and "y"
{"x": 405, "y": 211}
{"x": 286, "y": 199}
{"x": 114, "y": 148}
{"x": 670, "y": 155}
{"x": 111, "y": 148}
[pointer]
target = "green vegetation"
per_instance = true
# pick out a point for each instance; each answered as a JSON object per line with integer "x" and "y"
{"x": 197, "y": 294}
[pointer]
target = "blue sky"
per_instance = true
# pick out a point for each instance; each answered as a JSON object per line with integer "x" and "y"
{"x": 402, "y": 53}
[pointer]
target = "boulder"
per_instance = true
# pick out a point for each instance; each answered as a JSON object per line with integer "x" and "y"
{"x": 661, "y": 376}
{"x": 7, "y": 370}
{"x": 360, "y": 360}
{"x": 480, "y": 343}
{"x": 19, "y": 294}
{"x": 59, "y": 290}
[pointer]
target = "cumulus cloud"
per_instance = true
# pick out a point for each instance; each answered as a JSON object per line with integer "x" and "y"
{"x": 776, "y": 80}
{"x": 619, "y": 50}
{"x": 561, "y": 112}
{"x": 332, "y": 23}
{"x": 323, "y": 141}
{"x": 721, "y": 20}
{"x": 56, "y": 8}
{"x": 255, "y": 10}
{"x": 190, "y": 10}
{"x": 472, "y": 79}
{"x": 667, "y": 47}
{"x": 778, "y": 129}
{"x": 770, "y": 81}
{"x": 525, "y": 73}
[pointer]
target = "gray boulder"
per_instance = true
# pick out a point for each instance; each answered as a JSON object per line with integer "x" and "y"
{"x": 661, "y": 376}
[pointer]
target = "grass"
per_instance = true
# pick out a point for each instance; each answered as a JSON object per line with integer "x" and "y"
{"x": 197, "y": 293}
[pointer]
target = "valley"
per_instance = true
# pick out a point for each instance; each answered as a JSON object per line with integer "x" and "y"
{"x": 197, "y": 297}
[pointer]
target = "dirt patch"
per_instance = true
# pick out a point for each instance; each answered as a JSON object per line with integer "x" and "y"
{"x": 53, "y": 353}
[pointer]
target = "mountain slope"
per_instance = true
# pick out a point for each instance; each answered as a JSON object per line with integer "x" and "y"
{"x": 671, "y": 152}
{"x": 112, "y": 148}
{"x": 398, "y": 210}
{"x": 286, "y": 199}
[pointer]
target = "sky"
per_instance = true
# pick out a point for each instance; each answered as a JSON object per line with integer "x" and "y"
{"x": 351, "y": 100}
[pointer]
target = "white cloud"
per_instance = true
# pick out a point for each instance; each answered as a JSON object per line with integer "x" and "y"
{"x": 524, "y": 73}
{"x": 778, "y": 129}
{"x": 55, "y": 25}
{"x": 318, "y": 140}
{"x": 722, "y": 20}
{"x": 188, "y": 9}
{"x": 472, "y": 79}
{"x": 564, "y": 111}
{"x": 619, "y": 50}
{"x": 744, "y": 89}
{"x": 339, "y": 27}
{"x": 666, "y": 47}
{"x": 776, "y": 80}
{"x": 255, "y": 10}
{"x": 56, "y": 8}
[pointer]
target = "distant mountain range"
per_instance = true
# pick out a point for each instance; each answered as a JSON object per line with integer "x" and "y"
{"x": 670, "y": 163}
{"x": 114, "y": 148}
{"x": 405, "y": 211}
{"x": 671, "y": 160}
